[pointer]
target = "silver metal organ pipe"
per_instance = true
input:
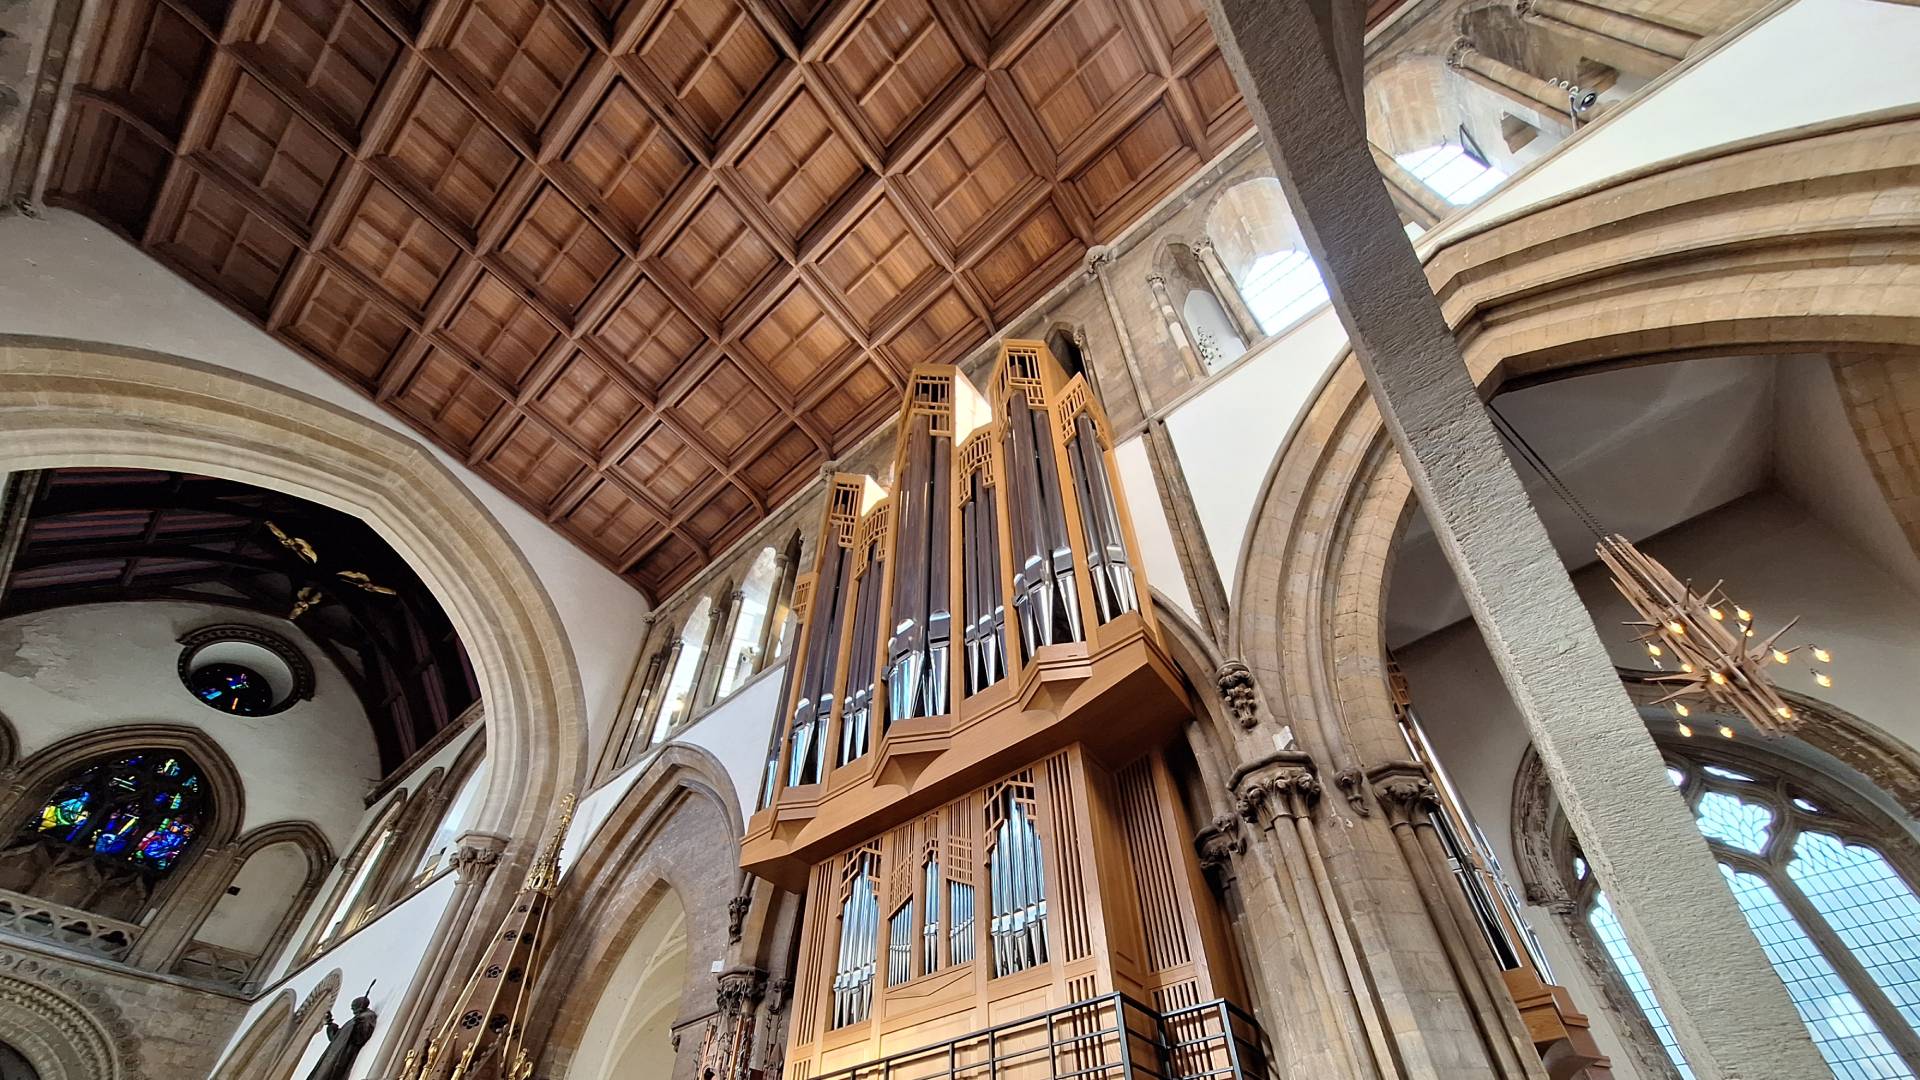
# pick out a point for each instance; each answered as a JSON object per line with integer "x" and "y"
{"x": 1044, "y": 593}
{"x": 1107, "y": 567}
{"x": 856, "y": 720}
{"x": 815, "y": 706}
{"x": 918, "y": 647}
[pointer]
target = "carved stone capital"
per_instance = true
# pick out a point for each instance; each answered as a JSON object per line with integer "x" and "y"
{"x": 779, "y": 992}
{"x": 737, "y": 909}
{"x": 1217, "y": 843}
{"x": 1237, "y": 689}
{"x": 1352, "y": 784}
{"x": 1456, "y": 53}
{"x": 740, "y": 989}
{"x": 1157, "y": 280}
{"x": 1405, "y": 792}
{"x": 1280, "y": 786}
{"x": 475, "y": 856}
{"x": 1098, "y": 259}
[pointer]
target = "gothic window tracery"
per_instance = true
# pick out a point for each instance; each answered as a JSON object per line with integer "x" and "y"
{"x": 1838, "y": 918}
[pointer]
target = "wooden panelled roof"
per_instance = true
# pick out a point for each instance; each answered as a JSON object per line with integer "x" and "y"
{"x": 645, "y": 264}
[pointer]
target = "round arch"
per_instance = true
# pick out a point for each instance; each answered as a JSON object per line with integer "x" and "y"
{"x": 660, "y": 837}
{"x": 57, "y": 1036}
{"x": 1782, "y": 224}
{"x": 68, "y": 403}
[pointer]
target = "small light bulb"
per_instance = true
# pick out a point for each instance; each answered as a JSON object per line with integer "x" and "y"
{"x": 1718, "y": 678}
{"x": 1683, "y": 710}
{"x": 1717, "y": 614}
{"x": 1676, "y": 627}
{"x": 1652, "y": 649}
{"x": 1686, "y": 731}
{"x": 1780, "y": 656}
{"x": 1822, "y": 655}
{"x": 1749, "y": 631}
{"x": 1785, "y": 713}
{"x": 1823, "y": 678}
{"x": 1686, "y": 666}
{"x": 1742, "y": 613}
{"x": 1726, "y": 732}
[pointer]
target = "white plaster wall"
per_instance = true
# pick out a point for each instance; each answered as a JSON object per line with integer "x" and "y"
{"x": 1814, "y": 61}
{"x": 1158, "y": 555}
{"x": 1229, "y": 434}
{"x": 77, "y": 669}
{"x": 66, "y": 277}
{"x": 1779, "y": 561}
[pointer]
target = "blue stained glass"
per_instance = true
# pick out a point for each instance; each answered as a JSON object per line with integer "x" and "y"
{"x": 137, "y": 809}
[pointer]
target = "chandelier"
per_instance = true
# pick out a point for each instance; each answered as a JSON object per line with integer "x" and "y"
{"x": 1721, "y": 661}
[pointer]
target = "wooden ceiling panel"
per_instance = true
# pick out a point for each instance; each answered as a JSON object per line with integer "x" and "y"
{"x": 557, "y": 252}
{"x": 587, "y": 401}
{"x": 711, "y": 56}
{"x": 341, "y": 323}
{"x": 974, "y": 170}
{"x": 800, "y": 166}
{"x": 445, "y": 396}
{"x": 448, "y": 154}
{"x": 717, "y": 257}
{"x": 333, "y": 54}
{"x": 226, "y": 243}
{"x": 666, "y": 466}
{"x": 877, "y": 263}
{"x": 533, "y": 462}
{"x": 394, "y": 247}
{"x": 610, "y": 522}
{"x": 262, "y": 142}
{"x": 891, "y": 65}
{"x": 495, "y": 327}
{"x": 796, "y": 343}
{"x": 522, "y": 54}
{"x": 646, "y": 264}
{"x": 725, "y": 409}
{"x": 1084, "y": 64}
{"x": 648, "y": 333}
{"x": 626, "y": 159}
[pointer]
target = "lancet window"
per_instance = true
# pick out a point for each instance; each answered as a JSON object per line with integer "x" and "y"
{"x": 676, "y": 699}
{"x": 746, "y": 652}
{"x": 1015, "y": 878}
{"x": 1839, "y": 918}
{"x": 859, "y": 938}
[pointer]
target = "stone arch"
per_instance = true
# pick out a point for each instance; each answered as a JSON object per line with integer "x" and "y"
{"x": 68, "y": 403}
{"x": 303, "y": 1025}
{"x": 58, "y": 1036}
{"x": 1590, "y": 277}
{"x": 664, "y": 833}
{"x": 312, "y": 845}
{"x": 262, "y": 1043}
{"x": 348, "y": 885}
{"x": 9, "y": 745}
{"x": 174, "y": 902}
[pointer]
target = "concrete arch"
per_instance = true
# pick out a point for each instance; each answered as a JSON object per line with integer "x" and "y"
{"x": 66, "y": 403}
{"x": 676, "y": 829}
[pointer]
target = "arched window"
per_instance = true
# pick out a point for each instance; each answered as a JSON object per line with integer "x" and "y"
{"x": 103, "y": 837}
{"x": 1453, "y": 172}
{"x": 743, "y": 656}
{"x": 357, "y": 899}
{"x": 439, "y": 845}
{"x": 1835, "y": 912}
{"x": 677, "y": 697}
{"x": 1282, "y": 287}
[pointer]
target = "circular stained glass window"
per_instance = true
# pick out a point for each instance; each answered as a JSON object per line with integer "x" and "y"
{"x": 232, "y": 688}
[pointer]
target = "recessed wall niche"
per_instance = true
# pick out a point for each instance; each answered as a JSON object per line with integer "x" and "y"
{"x": 244, "y": 670}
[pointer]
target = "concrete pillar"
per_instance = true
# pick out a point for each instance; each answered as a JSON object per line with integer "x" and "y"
{"x": 1521, "y": 87}
{"x": 1729, "y": 1010}
{"x": 1422, "y": 205}
{"x": 1629, "y": 42}
{"x": 1228, "y": 291}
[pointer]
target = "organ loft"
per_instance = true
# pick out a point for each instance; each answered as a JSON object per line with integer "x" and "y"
{"x": 969, "y": 780}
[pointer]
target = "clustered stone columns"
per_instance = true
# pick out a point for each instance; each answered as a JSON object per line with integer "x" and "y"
{"x": 1631, "y": 43}
{"x": 1176, "y": 326}
{"x": 1729, "y": 1010}
{"x": 475, "y": 856}
{"x": 1524, "y": 88}
{"x": 1227, "y": 291}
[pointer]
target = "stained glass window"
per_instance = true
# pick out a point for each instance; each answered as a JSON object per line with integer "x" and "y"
{"x": 140, "y": 810}
{"x": 1837, "y": 919}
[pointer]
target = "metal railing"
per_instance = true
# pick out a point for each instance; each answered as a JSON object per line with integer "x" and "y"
{"x": 1113, "y": 1037}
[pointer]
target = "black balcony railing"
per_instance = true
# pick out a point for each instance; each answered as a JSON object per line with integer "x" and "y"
{"x": 1106, "y": 1038}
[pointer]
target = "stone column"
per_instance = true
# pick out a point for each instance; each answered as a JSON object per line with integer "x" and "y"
{"x": 1228, "y": 292}
{"x": 719, "y": 646}
{"x": 1422, "y": 205}
{"x": 1729, "y": 1010}
{"x": 475, "y": 855}
{"x": 1097, "y": 269}
{"x": 1524, "y": 88}
{"x": 1629, "y": 42}
{"x": 1176, "y": 326}
{"x": 778, "y": 600}
{"x": 1197, "y": 565}
{"x": 726, "y": 1047}
{"x": 184, "y": 909}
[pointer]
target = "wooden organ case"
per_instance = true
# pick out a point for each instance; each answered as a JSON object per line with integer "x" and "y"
{"x": 967, "y": 779}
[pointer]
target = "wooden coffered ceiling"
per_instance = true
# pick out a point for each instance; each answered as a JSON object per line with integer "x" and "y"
{"x": 646, "y": 264}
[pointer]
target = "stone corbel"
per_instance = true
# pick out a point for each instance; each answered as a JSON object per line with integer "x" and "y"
{"x": 1216, "y": 845}
{"x": 476, "y": 856}
{"x": 1404, "y": 791}
{"x": 737, "y": 909}
{"x": 1237, "y": 689}
{"x": 1280, "y": 785}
